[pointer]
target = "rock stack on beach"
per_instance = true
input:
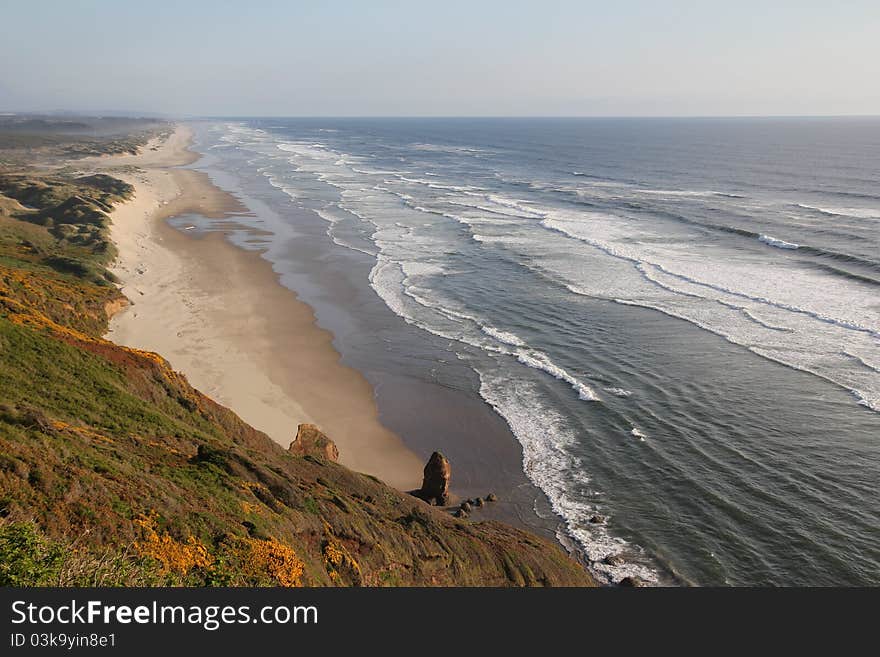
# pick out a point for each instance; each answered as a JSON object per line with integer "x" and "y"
{"x": 435, "y": 484}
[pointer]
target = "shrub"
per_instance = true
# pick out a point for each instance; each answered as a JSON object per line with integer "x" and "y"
{"x": 28, "y": 558}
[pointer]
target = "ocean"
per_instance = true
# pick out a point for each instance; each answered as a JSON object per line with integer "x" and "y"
{"x": 657, "y": 339}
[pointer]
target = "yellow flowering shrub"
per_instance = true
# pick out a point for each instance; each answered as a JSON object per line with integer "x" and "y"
{"x": 175, "y": 556}
{"x": 339, "y": 564}
{"x": 277, "y": 560}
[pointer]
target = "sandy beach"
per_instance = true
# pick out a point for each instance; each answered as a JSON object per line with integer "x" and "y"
{"x": 221, "y": 317}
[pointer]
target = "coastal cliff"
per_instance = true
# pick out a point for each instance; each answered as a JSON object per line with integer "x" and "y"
{"x": 115, "y": 471}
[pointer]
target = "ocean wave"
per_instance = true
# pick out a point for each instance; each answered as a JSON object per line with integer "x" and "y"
{"x": 327, "y": 216}
{"x": 545, "y": 438}
{"x": 752, "y": 317}
{"x": 497, "y": 239}
{"x": 561, "y": 227}
{"x": 332, "y": 220}
{"x": 858, "y": 195}
{"x": 856, "y": 213}
{"x": 540, "y": 361}
{"x": 777, "y": 243}
{"x": 816, "y": 312}
{"x": 435, "y": 185}
{"x": 483, "y": 208}
{"x": 844, "y": 273}
{"x": 677, "y": 192}
{"x": 379, "y": 172}
{"x": 842, "y": 257}
{"x": 835, "y": 321}
{"x": 519, "y": 206}
{"x": 865, "y": 392}
{"x": 438, "y": 148}
{"x": 449, "y": 215}
{"x": 870, "y": 400}
{"x": 503, "y": 336}
{"x": 861, "y": 361}
{"x": 301, "y": 149}
{"x": 391, "y": 288}
{"x": 618, "y": 392}
{"x": 412, "y": 269}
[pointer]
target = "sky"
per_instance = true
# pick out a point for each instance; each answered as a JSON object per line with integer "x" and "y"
{"x": 441, "y": 58}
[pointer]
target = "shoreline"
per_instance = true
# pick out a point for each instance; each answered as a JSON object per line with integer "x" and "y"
{"x": 220, "y": 315}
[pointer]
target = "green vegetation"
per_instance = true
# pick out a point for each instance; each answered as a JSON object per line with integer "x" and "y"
{"x": 74, "y": 212}
{"x": 28, "y": 557}
{"x": 115, "y": 471}
{"x": 24, "y": 139}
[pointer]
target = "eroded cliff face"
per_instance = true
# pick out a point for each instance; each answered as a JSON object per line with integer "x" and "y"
{"x": 114, "y": 470}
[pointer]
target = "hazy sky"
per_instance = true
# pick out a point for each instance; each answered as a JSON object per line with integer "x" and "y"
{"x": 262, "y": 57}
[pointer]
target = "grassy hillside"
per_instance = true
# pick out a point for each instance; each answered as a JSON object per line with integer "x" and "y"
{"x": 115, "y": 471}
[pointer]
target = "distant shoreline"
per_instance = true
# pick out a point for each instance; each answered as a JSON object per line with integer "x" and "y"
{"x": 221, "y": 317}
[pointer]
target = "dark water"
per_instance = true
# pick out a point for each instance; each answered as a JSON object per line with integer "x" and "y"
{"x": 678, "y": 320}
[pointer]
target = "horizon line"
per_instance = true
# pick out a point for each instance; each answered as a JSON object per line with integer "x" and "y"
{"x": 108, "y": 113}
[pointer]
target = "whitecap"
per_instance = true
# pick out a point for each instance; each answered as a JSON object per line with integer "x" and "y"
{"x": 779, "y": 244}
{"x": 618, "y": 392}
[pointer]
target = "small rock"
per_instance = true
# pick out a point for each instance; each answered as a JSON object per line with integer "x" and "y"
{"x": 597, "y": 520}
{"x": 460, "y": 513}
{"x": 631, "y": 581}
{"x": 478, "y": 501}
{"x": 614, "y": 560}
{"x": 491, "y": 497}
{"x": 466, "y": 507}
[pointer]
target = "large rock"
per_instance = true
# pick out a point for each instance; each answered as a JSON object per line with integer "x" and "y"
{"x": 631, "y": 581}
{"x": 435, "y": 484}
{"x": 614, "y": 560}
{"x": 311, "y": 441}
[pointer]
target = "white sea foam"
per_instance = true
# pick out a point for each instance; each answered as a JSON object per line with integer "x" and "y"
{"x": 435, "y": 185}
{"x": 506, "y": 211}
{"x": 779, "y": 244}
{"x": 783, "y": 312}
{"x": 858, "y": 213}
{"x": 503, "y": 336}
{"x": 540, "y": 361}
{"x": 676, "y": 192}
{"x": 547, "y": 441}
{"x": 863, "y": 361}
{"x": 438, "y": 148}
{"x": 522, "y": 207}
{"x": 379, "y": 172}
{"x": 392, "y": 283}
{"x": 618, "y": 392}
{"x": 413, "y": 269}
